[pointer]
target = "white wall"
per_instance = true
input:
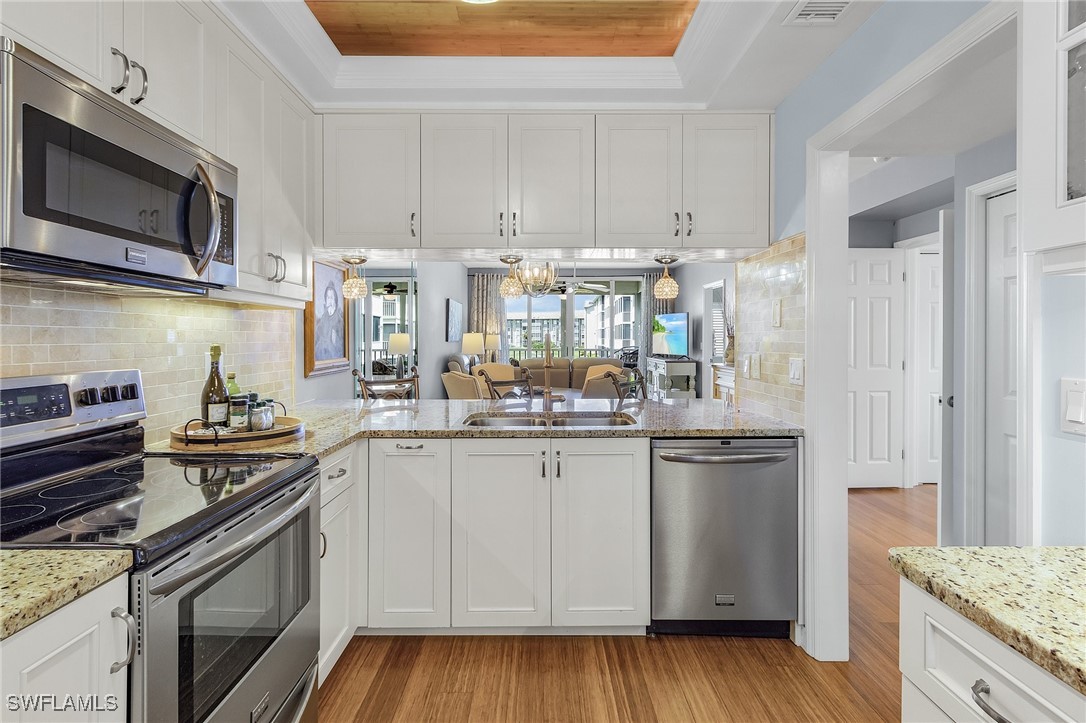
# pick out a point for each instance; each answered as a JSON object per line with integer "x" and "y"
{"x": 895, "y": 35}
{"x": 870, "y": 234}
{"x": 437, "y": 281}
{"x": 919, "y": 224}
{"x": 1063, "y": 455}
{"x": 692, "y": 278}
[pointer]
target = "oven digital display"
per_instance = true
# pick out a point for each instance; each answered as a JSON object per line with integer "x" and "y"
{"x": 34, "y": 404}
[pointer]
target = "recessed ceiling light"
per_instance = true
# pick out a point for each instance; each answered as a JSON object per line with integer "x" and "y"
{"x": 480, "y": 2}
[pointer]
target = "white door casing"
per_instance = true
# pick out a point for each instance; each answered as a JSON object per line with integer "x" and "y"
{"x": 944, "y": 507}
{"x": 1001, "y": 374}
{"x": 501, "y": 507}
{"x": 924, "y": 367}
{"x": 338, "y": 560}
{"x": 876, "y": 353}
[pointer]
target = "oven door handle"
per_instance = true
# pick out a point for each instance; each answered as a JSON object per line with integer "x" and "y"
{"x": 214, "y": 232}
{"x": 200, "y": 567}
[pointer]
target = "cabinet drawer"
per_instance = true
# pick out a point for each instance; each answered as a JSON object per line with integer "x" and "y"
{"x": 944, "y": 655}
{"x": 337, "y": 473}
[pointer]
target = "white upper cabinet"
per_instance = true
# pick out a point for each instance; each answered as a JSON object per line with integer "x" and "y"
{"x": 464, "y": 181}
{"x": 501, "y": 572}
{"x": 82, "y": 44}
{"x": 552, "y": 172}
{"x": 1052, "y": 126}
{"x": 372, "y": 182}
{"x": 173, "y": 43}
{"x": 639, "y": 180}
{"x": 725, "y": 180}
{"x": 286, "y": 186}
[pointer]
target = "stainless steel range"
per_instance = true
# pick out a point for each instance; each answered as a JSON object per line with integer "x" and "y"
{"x": 224, "y": 590}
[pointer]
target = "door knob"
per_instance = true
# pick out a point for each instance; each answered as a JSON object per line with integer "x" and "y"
{"x": 950, "y": 401}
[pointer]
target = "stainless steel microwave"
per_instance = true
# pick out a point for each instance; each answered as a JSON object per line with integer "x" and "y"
{"x": 95, "y": 193}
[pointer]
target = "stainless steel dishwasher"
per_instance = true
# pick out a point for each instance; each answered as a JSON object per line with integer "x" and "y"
{"x": 725, "y": 536}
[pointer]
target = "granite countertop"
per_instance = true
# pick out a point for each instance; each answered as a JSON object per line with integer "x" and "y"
{"x": 34, "y": 583}
{"x": 1031, "y": 598}
{"x": 332, "y": 425}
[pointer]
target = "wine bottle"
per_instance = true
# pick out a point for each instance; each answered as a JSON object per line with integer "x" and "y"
{"x": 215, "y": 400}
{"x": 232, "y": 387}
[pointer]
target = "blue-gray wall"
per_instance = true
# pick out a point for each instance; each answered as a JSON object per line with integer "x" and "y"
{"x": 895, "y": 35}
{"x": 1063, "y": 455}
{"x": 438, "y": 281}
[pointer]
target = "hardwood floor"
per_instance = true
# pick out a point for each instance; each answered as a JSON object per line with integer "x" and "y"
{"x": 669, "y": 678}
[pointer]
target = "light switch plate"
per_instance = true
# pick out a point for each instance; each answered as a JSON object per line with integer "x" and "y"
{"x": 795, "y": 371}
{"x": 755, "y": 366}
{"x": 776, "y": 312}
{"x": 1073, "y": 406}
{"x": 746, "y": 366}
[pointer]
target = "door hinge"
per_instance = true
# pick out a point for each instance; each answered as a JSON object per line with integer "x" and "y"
{"x": 903, "y": 454}
{"x": 902, "y": 365}
{"x": 902, "y": 275}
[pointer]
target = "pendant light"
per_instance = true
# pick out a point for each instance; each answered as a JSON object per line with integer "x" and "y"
{"x": 666, "y": 287}
{"x": 510, "y": 287}
{"x": 537, "y": 277}
{"x": 355, "y": 287}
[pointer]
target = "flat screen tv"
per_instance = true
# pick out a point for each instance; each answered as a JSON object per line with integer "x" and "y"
{"x": 671, "y": 334}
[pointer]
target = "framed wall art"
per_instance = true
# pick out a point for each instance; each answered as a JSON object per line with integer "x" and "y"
{"x": 327, "y": 321}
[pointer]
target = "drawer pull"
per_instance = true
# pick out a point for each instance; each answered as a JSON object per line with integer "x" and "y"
{"x": 338, "y": 473}
{"x": 982, "y": 688}
{"x": 324, "y": 545}
{"x": 408, "y": 446}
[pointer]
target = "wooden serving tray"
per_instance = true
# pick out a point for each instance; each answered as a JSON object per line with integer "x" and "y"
{"x": 200, "y": 437}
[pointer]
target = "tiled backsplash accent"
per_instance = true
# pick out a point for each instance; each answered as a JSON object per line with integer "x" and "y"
{"x": 46, "y": 331}
{"x": 778, "y": 273}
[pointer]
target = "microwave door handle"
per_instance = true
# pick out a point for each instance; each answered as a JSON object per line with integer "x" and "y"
{"x": 214, "y": 233}
{"x": 202, "y": 565}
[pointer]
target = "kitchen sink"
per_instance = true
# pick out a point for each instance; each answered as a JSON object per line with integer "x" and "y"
{"x": 544, "y": 420}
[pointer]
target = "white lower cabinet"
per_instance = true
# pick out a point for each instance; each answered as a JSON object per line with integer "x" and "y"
{"x": 69, "y": 653}
{"x": 600, "y": 531}
{"x": 410, "y": 535}
{"x": 501, "y": 533}
{"x": 943, "y": 656}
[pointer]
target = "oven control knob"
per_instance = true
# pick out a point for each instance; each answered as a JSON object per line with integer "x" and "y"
{"x": 130, "y": 391}
{"x": 111, "y": 394}
{"x": 89, "y": 397}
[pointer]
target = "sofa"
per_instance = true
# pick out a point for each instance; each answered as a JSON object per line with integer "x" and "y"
{"x": 461, "y": 363}
{"x": 567, "y": 373}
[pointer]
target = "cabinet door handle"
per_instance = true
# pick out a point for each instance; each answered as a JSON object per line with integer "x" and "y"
{"x": 154, "y": 221}
{"x": 514, "y": 224}
{"x": 127, "y": 72}
{"x": 283, "y": 273}
{"x": 408, "y": 446}
{"x": 143, "y": 91}
{"x": 543, "y": 472}
{"x": 982, "y": 687}
{"x": 412, "y": 224}
{"x": 275, "y": 274}
{"x": 558, "y": 465}
{"x": 501, "y": 223}
{"x": 324, "y": 545}
{"x": 130, "y": 623}
{"x": 677, "y": 223}
{"x": 141, "y": 220}
{"x": 689, "y": 223}
{"x": 338, "y": 473}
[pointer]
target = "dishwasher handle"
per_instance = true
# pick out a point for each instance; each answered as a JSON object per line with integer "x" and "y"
{"x": 723, "y": 458}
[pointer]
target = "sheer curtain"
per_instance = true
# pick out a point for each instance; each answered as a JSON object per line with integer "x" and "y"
{"x": 650, "y": 307}
{"x": 486, "y": 310}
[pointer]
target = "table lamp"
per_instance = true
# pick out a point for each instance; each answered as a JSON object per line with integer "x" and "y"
{"x": 472, "y": 344}
{"x": 492, "y": 343}
{"x": 399, "y": 345}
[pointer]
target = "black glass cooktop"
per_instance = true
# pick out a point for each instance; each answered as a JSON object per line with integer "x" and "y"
{"x": 151, "y": 503}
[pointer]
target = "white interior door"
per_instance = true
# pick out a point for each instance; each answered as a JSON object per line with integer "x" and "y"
{"x": 924, "y": 367}
{"x": 1001, "y": 374}
{"x": 876, "y": 378}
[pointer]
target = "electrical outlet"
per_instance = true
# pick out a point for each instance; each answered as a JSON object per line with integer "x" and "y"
{"x": 795, "y": 371}
{"x": 755, "y": 366}
{"x": 776, "y": 312}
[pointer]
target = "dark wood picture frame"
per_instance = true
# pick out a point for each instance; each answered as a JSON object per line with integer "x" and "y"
{"x": 454, "y": 320}
{"x": 327, "y": 338}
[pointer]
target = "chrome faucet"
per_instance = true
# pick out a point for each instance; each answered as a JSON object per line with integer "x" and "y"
{"x": 548, "y": 364}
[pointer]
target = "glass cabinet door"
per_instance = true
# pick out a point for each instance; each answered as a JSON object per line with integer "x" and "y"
{"x": 1076, "y": 121}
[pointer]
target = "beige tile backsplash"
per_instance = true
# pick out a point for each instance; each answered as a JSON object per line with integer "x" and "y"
{"x": 46, "y": 331}
{"x": 779, "y": 272}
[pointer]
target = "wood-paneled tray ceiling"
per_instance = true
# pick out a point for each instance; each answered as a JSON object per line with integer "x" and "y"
{"x": 580, "y": 28}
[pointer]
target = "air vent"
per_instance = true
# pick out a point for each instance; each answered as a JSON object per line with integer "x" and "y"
{"x": 816, "y": 12}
